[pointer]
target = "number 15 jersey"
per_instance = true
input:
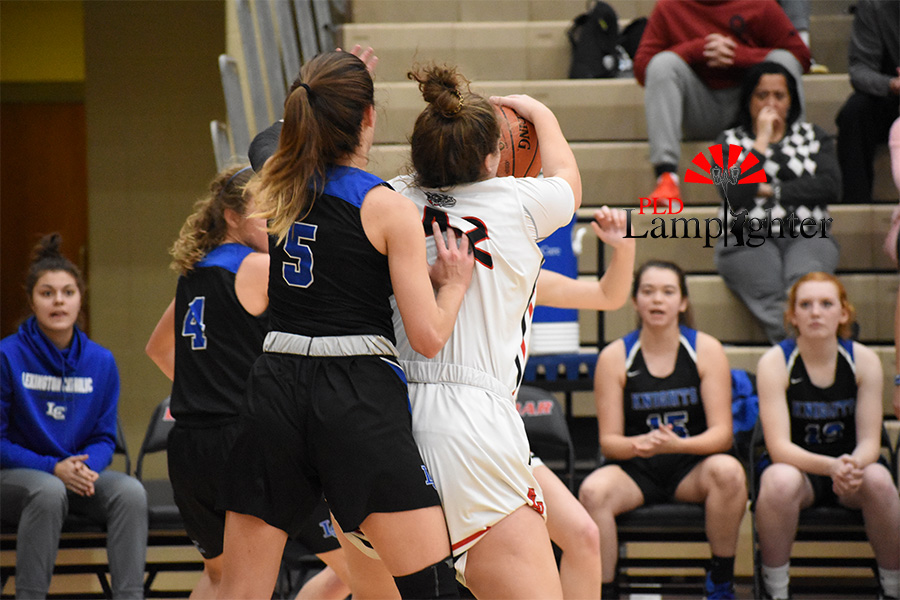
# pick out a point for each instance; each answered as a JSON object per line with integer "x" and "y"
{"x": 673, "y": 400}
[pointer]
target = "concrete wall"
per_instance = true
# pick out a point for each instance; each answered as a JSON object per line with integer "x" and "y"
{"x": 151, "y": 89}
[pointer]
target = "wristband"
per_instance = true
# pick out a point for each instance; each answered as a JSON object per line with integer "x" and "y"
{"x": 896, "y": 379}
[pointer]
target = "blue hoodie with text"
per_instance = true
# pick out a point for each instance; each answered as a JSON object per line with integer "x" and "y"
{"x": 56, "y": 403}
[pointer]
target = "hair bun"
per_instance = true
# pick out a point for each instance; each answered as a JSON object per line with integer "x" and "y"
{"x": 48, "y": 247}
{"x": 440, "y": 86}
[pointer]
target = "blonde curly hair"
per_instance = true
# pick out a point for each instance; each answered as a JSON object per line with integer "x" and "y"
{"x": 206, "y": 227}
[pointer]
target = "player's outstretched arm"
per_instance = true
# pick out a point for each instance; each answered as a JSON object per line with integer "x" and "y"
{"x": 611, "y": 290}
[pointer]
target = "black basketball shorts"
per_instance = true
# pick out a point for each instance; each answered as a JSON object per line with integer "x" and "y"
{"x": 341, "y": 425}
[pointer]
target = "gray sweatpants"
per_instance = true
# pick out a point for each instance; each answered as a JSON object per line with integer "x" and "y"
{"x": 678, "y": 104}
{"x": 39, "y": 502}
{"x": 761, "y": 276}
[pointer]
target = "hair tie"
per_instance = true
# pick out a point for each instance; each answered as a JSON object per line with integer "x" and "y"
{"x": 458, "y": 106}
{"x": 238, "y": 172}
{"x": 309, "y": 92}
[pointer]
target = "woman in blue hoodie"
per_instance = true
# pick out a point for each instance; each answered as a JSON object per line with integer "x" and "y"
{"x": 58, "y": 408}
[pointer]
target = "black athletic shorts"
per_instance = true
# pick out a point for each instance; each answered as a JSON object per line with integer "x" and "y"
{"x": 341, "y": 425}
{"x": 658, "y": 477}
{"x": 197, "y": 457}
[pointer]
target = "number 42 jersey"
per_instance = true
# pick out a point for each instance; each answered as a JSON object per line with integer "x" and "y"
{"x": 504, "y": 218}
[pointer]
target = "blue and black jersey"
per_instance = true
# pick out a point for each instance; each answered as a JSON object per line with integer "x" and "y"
{"x": 216, "y": 339}
{"x": 823, "y": 420}
{"x": 326, "y": 278}
{"x": 673, "y": 400}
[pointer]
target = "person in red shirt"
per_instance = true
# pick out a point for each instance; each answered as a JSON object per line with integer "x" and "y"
{"x": 690, "y": 61}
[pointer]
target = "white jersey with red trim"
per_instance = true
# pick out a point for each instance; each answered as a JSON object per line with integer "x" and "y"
{"x": 505, "y": 218}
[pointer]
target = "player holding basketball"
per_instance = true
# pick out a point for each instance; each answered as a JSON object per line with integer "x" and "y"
{"x": 663, "y": 395}
{"x": 820, "y": 406}
{"x": 206, "y": 341}
{"x": 463, "y": 400}
{"x": 327, "y": 404}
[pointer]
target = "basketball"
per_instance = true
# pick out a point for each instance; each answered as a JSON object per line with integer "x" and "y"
{"x": 519, "y": 152}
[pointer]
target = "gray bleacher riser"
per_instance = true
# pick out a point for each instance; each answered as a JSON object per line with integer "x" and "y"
{"x": 587, "y": 109}
{"x": 858, "y": 228}
{"x": 619, "y": 174}
{"x": 508, "y": 49}
{"x": 719, "y": 313}
{"x": 407, "y": 11}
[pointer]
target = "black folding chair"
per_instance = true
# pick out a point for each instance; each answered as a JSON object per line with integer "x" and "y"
{"x": 548, "y": 433}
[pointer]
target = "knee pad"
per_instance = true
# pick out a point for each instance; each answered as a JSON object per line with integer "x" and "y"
{"x": 434, "y": 581}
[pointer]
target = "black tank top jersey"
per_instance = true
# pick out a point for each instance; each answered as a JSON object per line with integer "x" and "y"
{"x": 326, "y": 278}
{"x": 651, "y": 401}
{"x": 216, "y": 339}
{"x": 823, "y": 420}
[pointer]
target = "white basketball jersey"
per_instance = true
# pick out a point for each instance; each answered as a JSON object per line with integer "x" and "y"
{"x": 505, "y": 218}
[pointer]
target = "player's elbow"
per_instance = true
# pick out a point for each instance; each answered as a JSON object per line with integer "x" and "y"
{"x": 427, "y": 343}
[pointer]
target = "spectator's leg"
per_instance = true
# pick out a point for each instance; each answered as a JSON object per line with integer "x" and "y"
{"x": 877, "y": 498}
{"x": 671, "y": 88}
{"x": 39, "y": 502}
{"x": 754, "y": 276}
{"x": 121, "y": 502}
{"x": 802, "y": 256}
{"x": 790, "y": 62}
{"x": 798, "y": 12}
{"x": 863, "y": 123}
{"x": 783, "y": 491}
{"x": 605, "y": 493}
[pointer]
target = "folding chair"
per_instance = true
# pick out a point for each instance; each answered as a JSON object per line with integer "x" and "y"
{"x": 165, "y": 522}
{"x": 548, "y": 433}
{"x": 660, "y": 523}
{"x": 832, "y": 524}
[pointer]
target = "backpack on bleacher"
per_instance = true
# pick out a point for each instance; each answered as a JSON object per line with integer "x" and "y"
{"x": 594, "y": 36}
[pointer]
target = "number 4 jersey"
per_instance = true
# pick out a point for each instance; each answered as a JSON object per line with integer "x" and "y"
{"x": 823, "y": 420}
{"x": 216, "y": 339}
{"x": 672, "y": 400}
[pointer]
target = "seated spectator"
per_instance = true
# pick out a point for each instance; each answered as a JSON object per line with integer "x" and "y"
{"x": 60, "y": 393}
{"x": 691, "y": 59}
{"x": 864, "y": 121}
{"x": 821, "y": 411}
{"x": 803, "y": 178}
{"x": 658, "y": 453}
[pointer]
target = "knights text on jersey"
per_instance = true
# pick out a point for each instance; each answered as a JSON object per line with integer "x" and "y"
{"x": 673, "y": 400}
{"x": 823, "y": 420}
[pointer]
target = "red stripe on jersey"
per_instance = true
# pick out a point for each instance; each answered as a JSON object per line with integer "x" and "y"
{"x": 472, "y": 537}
